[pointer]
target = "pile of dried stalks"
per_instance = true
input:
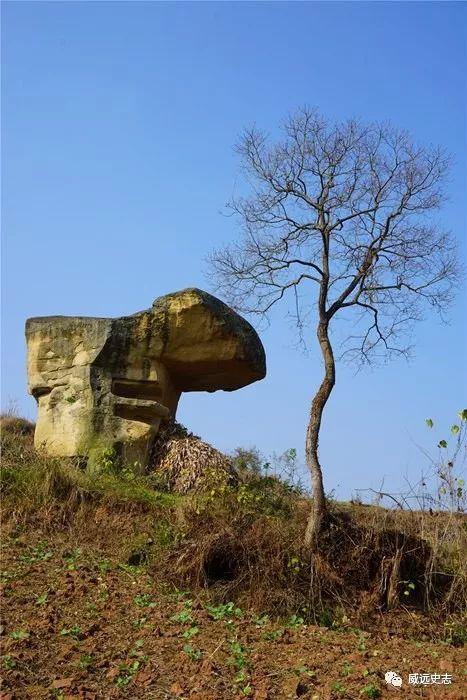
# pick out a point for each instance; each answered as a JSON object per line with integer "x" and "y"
{"x": 182, "y": 462}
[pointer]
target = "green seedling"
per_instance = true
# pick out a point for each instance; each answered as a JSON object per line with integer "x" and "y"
{"x": 192, "y": 653}
{"x": 19, "y": 635}
{"x": 273, "y": 635}
{"x": 104, "y": 566}
{"x": 261, "y": 621}
{"x": 74, "y": 632}
{"x": 338, "y": 688}
{"x": 239, "y": 655}
{"x": 371, "y": 691}
{"x": 71, "y": 558}
{"x": 8, "y": 662}
{"x": 304, "y": 671}
{"x": 144, "y": 600}
{"x": 125, "y": 676}
{"x": 220, "y": 612}
{"x": 183, "y": 618}
{"x": 36, "y": 554}
{"x": 85, "y": 661}
{"x": 295, "y": 621}
{"x": 140, "y": 622}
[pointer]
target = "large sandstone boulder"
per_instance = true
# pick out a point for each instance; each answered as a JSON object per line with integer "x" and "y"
{"x": 106, "y": 384}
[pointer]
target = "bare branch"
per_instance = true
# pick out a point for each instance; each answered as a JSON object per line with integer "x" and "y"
{"x": 350, "y": 204}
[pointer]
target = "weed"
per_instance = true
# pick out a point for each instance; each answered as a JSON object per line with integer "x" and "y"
{"x": 304, "y": 671}
{"x": 371, "y": 691}
{"x": 261, "y": 621}
{"x": 8, "y": 662}
{"x": 42, "y": 599}
{"x": 36, "y": 554}
{"x": 238, "y": 655}
{"x": 136, "y": 651}
{"x": 107, "y": 459}
{"x": 273, "y": 635}
{"x": 455, "y": 634}
{"x": 338, "y": 688}
{"x": 166, "y": 534}
{"x": 220, "y": 612}
{"x": 294, "y": 565}
{"x": 131, "y": 569}
{"x": 183, "y": 617}
{"x": 326, "y": 618}
{"x": 74, "y": 632}
{"x": 192, "y": 653}
{"x": 144, "y": 600}
{"x": 6, "y": 576}
{"x": 126, "y": 673}
{"x": 347, "y": 669}
{"x": 191, "y": 632}
{"x": 104, "y": 566}
{"x": 259, "y": 536}
{"x": 140, "y": 622}
{"x": 71, "y": 558}
{"x": 361, "y": 642}
{"x": 19, "y": 635}
{"x": 295, "y": 621}
{"x": 178, "y": 595}
{"x": 407, "y": 586}
{"x": 85, "y": 661}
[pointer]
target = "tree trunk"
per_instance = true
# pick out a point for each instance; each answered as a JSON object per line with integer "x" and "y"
{"x": 318, "y": 510}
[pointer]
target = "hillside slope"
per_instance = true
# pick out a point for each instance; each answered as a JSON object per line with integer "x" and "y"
{"x": 112, "y": 588}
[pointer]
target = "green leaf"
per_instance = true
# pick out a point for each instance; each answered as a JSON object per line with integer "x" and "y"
{"x": 19, "y": 634}
{"x": 454, "y": 429}
{"x": 429, "y": 422}
{"x": 463, "y": 414}
{"x": 42, "y": 599}
{"x": 442, "y": 443}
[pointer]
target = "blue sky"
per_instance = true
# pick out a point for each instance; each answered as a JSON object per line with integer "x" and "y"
{"x": 118, "y": 121}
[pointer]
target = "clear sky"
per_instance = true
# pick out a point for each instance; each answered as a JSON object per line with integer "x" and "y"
{"x": 118, "y": 121}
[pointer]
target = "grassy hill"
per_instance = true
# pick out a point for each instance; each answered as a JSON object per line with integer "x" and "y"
{"x": 115, "y": 587}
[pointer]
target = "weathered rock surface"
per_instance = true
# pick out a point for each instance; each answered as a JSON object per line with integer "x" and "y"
{"x": 105, "y": 384}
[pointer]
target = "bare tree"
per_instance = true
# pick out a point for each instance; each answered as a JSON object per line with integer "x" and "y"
{"x": 344, "y": 212}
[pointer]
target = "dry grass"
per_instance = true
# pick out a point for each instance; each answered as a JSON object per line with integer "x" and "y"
{"x": 241, "y": 541}
{"x": 184, "y": 463}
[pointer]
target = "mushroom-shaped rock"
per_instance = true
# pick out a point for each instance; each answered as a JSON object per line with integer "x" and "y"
{"x": 103, "y": 386}
{"x": 208, "y": 346}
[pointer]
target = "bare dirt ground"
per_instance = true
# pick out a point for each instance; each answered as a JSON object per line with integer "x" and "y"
{"x": 78, "y": 625}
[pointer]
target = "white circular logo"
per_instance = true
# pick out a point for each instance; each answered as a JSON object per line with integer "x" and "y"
{"x": 392, "y": 678}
